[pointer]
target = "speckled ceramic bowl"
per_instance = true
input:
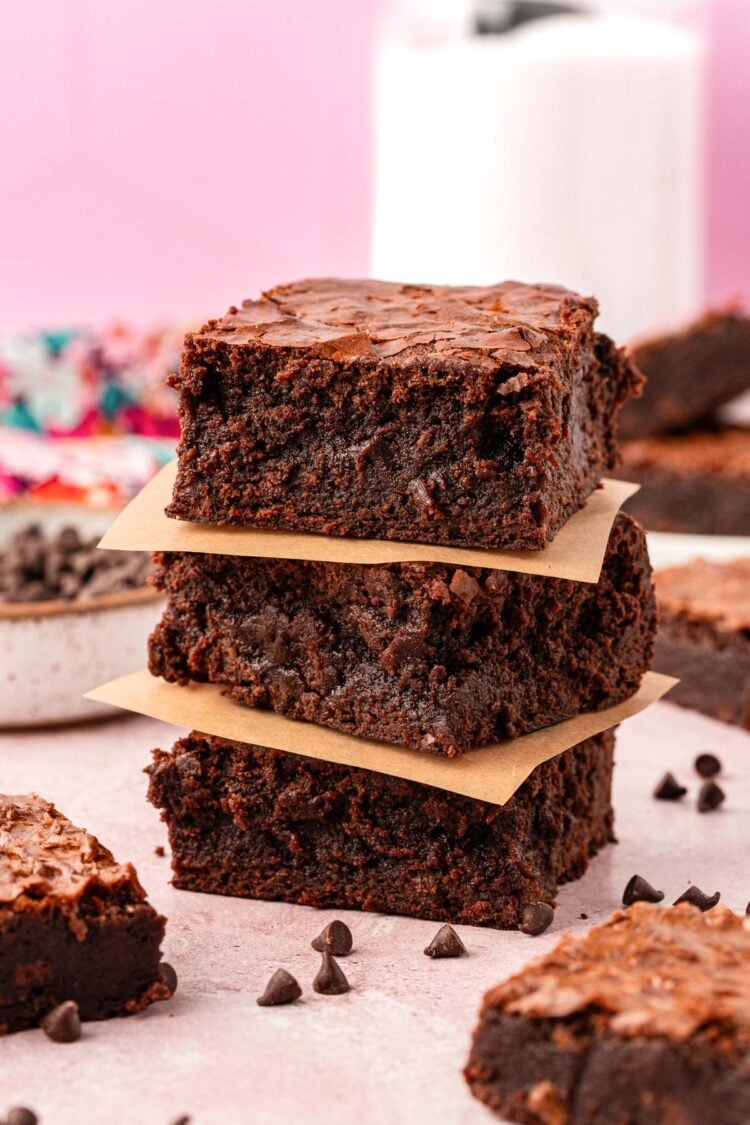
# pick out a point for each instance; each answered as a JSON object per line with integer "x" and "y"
{"x": 52, "y": 652}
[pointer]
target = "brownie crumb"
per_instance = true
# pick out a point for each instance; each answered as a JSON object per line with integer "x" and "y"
{"x": 669, "y": 789}
{"x": 63, "y": 1024}
{"x": 335, "y": 938}
{"x": 710, "y": 797}
{"x": 639, "y": 889}
{"x": 446, "y": 943}
{"x": 536, "y": 918}
{"x": 282, "y": 988}
{"x": 330, "y": 979}
{"x": 696, "y": 897}
{"x": 707, "y": 765}
{"x": 159, "y": 850}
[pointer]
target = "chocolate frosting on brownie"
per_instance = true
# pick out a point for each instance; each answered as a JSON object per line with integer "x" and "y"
{"x": 718, "y": 593}
{"x": 356, "y": 319}
{"x": 42, "y": 853}
{"x": 654, "y": 971}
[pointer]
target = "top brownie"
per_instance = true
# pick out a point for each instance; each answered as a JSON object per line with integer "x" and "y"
{"x": 461, "y": 416}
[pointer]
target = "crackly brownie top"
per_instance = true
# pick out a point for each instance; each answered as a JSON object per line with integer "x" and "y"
{"x": 43, "y": 855}
{"x": 718, "y": 593}
{"x": 346, "y": 320}
{"x": 724, "y": 453}
{"x": 650, "y": 971}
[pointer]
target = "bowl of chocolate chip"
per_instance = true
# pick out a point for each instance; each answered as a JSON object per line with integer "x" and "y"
{"x": 71, "y": 617}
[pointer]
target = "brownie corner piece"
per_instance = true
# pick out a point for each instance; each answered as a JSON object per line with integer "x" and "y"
{"x": 74, "y": 924}
{"x": 479, "y": 417}
{"x": 704, "y": 636}
{"x": 645, "y": 1020}
{"x": 259, "y": 823}
{"x": 689, "y": 373}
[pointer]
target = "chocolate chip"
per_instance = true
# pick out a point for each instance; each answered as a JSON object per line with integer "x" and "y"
{"x": 282, "y": 988}
{"x": 747, "y": 908}
{"x": 536, "y": 918}
{"x": 63, "y": 1024}
{"x": 184, "y": 1119}
{"x": 696, "y": 897}
{"x": 446, "y": 943}
{"x": 584, "y": 917}
{"x": 669, "y": 789}
{"x": 330, "y": 979}
{"x": 707, "y": 765}
{"x": 640, "y": 890}
{"x": 20, "y": 1115}
{"x": 159, "y": 850}
{"x": 335, "y": 938}
{"x": 37, "y": 567}
{"x": 168, "y": 976}
{"x": 710, "y": 796}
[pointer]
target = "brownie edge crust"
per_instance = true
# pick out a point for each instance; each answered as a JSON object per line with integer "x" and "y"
{"x": 477, "y": 417}
{"x": 74, "y": 924}
{"x": 643, "y": 1021}
{"x": 258, "y": 823}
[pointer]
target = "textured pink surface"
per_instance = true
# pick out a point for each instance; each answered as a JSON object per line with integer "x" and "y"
{"x": 392, "y": 1049}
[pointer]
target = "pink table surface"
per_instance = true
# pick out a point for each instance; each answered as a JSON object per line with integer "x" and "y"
{"x": 392, "y": 1049}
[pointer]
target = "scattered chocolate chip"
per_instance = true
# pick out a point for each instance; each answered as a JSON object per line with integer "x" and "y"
{"x": 282, "y": 988}
{"x": 159, "y": 850}
{"x": 669, "y": 789}
{"x": 330, "y": 979}
{"x": 20, "y": 1115}
{"x": 185, "y": 1119}
{"x": 747, "y": 908}
{"x": 63, "y": 1024}
{"x": 168, "y": 976}
{"x": 696, "y": 897}
{"x": 707, "y": 765}
{"x": 446, "y": 943}
{"x": 536, "y": 918}
{"x": 584, "y": 917}
{"x": 335, "y": 938}
{"x": 640, "y": 890}
{"x": 710, "y": 796}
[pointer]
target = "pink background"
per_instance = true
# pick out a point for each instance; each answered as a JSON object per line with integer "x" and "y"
{"x": 169, "y": 158}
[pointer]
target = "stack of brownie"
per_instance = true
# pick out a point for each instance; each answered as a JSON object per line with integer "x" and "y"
{"x": 463, "y": 417}
{"x": 694, "y": 467}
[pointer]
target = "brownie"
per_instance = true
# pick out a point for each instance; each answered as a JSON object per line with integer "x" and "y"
{"x": 704, "y": 637}
{"x": 465, "y": 416}
{"x": 259, "y": 823}
{"x": 74, "y": 924}
{"x": 689, "y": 374}
{"x": 430, "y": 656}
{"x": 697, "y": 482}
{"x": 643, "y": 1021}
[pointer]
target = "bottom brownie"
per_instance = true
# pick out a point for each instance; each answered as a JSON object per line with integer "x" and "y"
{"x": 245, "y": 820}
{"x": 644, "y": 1021}
{"x": 74, "y": 925}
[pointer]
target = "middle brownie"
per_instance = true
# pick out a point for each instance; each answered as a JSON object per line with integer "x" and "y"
{"x": 432, "y": 657}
